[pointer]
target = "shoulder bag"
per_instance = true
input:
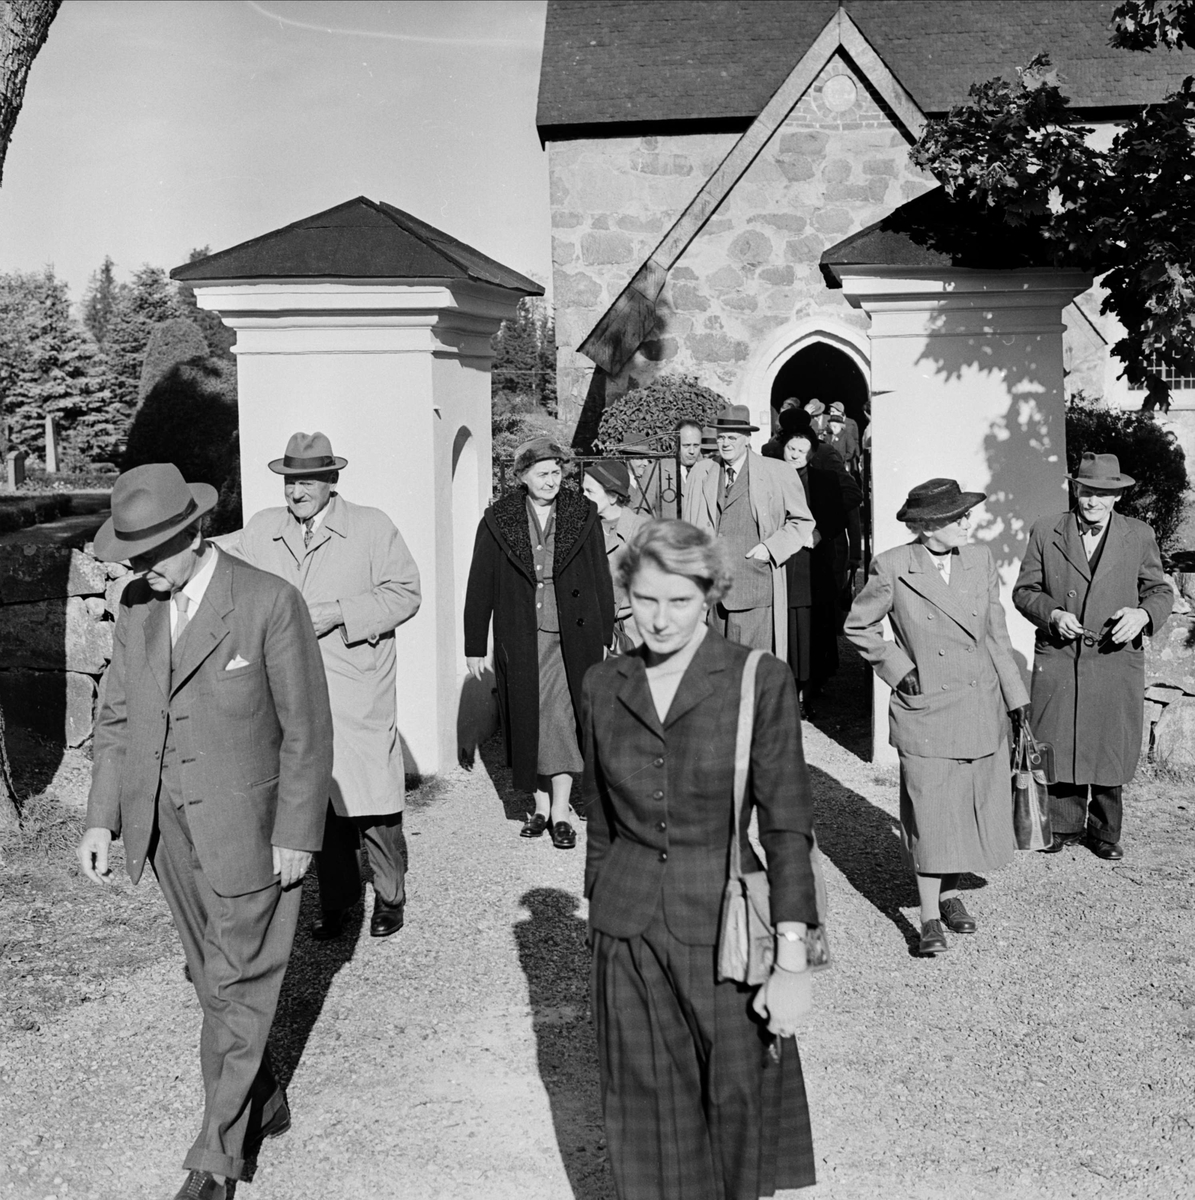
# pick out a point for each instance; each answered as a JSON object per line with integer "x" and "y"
{"x": 746, "y": 939}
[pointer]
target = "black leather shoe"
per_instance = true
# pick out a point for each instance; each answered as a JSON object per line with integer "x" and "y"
{"x": 564, "y": 837}
{"x": 536, "y": 824}
{"x": 955, "y": 916}
{"x": 933, "y": 939}
{"x": 201, "y": 1185}
{"x": 1060, "y": 841}
{"x": 1112, "y": 851}
{"x": 386, "y": 919}
{"x": 328, "y": 925}
{"x": 276, "y": 1126}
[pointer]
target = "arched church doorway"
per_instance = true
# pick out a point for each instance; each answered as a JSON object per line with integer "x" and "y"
{"x": 820, "y": 371}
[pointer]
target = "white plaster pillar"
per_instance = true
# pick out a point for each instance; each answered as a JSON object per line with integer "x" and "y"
{"x": 967, "y": 383}
{"x": 397, "y": 374}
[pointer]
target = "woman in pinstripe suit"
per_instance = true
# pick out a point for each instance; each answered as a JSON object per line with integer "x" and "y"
{"x": 953, "y": 676}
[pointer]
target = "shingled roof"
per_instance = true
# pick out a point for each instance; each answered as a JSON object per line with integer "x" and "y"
{"x": 718, "y": 61}
{"x": 360, "y": 239}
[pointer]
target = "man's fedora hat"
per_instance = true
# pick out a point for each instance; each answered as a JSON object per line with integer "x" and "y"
{"x": 938, "y": 500}
{"x": 307, "y": 454}
{"x": 709, "y": 439}
{"x": 815, "y": 408}
{"x": 150, "y": 504}
{"x": 1101, "y": 472}
{"x": 735, "y": 418}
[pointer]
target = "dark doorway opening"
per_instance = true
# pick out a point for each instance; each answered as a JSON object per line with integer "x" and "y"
{"x": 822, "y": 372}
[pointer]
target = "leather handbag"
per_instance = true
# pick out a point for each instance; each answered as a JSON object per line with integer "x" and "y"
{"x": 1032, "y": 770}
{"x": 746, "y": 939}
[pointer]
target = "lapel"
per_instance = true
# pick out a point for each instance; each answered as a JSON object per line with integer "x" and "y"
{"x": 1070, "y": 544}
{"x": 207, "y": 628}
{"x": 922, "y": 576}
{"x": 156, "y": 631}
{"x": 696, "y": 684}
{"x": 1116, "y": 546}
{"x": 291, "y": 536}
{"x": 635, "y": 695}
{"x": 710, "y": 484}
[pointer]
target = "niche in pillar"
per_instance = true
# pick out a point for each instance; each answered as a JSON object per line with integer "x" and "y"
{"x": 372, "y": 326}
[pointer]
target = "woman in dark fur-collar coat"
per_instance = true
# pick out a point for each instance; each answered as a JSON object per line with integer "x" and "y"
{"x": 539, "y": 571}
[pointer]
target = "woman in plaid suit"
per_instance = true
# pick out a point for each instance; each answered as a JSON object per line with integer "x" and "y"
{"x": 702, "y": 1091}
{"x": 953, "y": 676}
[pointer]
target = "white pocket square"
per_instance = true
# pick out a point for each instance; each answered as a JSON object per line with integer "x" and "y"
{"x": 236, "y": 662}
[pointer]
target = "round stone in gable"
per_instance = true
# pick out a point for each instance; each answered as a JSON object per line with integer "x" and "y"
{"x": 839, "y": 93}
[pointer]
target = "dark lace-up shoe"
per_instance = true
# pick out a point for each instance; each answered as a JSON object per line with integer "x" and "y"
{"x": 955, "y": 916}
{"x": 201, "y": 1185}
{"x": 933, "y": 939}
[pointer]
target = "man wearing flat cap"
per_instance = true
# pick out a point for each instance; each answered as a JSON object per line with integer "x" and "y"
{"x": 360, "y": 583}
{"x": 212, "y": 760}
{"x": 758, "y": 506}
{"x": 1092, "y": 583}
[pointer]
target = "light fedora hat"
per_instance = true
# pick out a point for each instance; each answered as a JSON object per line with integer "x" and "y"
{"x": 150, "y": 504}
{"x": 735, "y": 418}
{"x": 307, "y": 454}
{"x": 1101, "y": 472}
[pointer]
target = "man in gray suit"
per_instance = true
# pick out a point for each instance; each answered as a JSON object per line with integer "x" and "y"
{"x": 212, "y": 760}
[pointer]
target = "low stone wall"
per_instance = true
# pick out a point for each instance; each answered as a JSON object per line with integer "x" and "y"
{"x": 1169, "y": 737}
{"x": 57, "y": 614}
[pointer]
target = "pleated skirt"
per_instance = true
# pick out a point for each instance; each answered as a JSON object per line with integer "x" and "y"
{"x": 559, "y": 753}
{"x": 699, "y": 1101}
{"x": 956, "y": 814}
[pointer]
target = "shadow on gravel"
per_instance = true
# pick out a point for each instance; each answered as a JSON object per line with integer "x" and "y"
{"x": 313, "y": 966}
{"x": 517, "y": 805}
{"x": 863, "y": 842}
{"x": 554, "y": 958}
{"x": 843, "y": 711}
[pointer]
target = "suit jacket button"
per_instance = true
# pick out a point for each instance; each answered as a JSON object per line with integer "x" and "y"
{"x": 662, "y": 825}
{"x": 658, "y": 763}
{"x": 657, "y": 795}
{"x": 941, "y": 651}
{"x": 663, "y": 856}
{"x": 576, "y": 591}
{"x": 943, "y": 687}
{"x": 1072, "y": 592}
{"x": 929, "y": 616}
{"x": 580, "y": 621}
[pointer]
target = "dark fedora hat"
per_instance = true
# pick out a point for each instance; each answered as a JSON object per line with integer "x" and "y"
{"x": 735, "y": 418}
{"x": 612, "y": 475}
{"x": 1101, "y": 472}
{"x": 150, "y": 504}
{"x": 938, "y": 500}
{"x": 307, "y": 454}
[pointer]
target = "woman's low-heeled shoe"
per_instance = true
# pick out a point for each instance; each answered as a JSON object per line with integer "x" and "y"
{"x": 564, "y": 837}
{"x": 536, "y": 824}
{"x": 955, "y": 916}
{"x": 933, "y": 938}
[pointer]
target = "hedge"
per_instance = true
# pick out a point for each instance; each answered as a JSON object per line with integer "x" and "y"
{"x": 19, "y": 512}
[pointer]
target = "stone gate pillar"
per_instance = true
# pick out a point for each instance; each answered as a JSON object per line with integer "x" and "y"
{"x": 371, "y": 326}
{"x": 967, "y": 383}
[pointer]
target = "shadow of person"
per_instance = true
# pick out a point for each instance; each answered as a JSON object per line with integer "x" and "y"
{"x": 843, "y": 709}
{"x": 554, "y": 957}
{"x": 863, "y": 842}
{"x": 517, "y": 805}
{"x": 313, "y": 966}
{"x": 476, "y": 717}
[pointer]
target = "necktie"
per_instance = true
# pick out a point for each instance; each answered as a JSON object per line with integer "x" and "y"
{"x": 182, "y": 603}
{"x": 729, "y": 479}
{"x": 307, "y": 531}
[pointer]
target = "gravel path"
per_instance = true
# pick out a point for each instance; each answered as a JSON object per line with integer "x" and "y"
{"x": 1051, "y": 1055}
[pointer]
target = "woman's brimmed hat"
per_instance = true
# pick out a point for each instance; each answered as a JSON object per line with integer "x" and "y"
{"x": 612, "y": 475}
{"x": 1101, "y": 473}
{"x": 307, "y": 454}
{"x": 938, "y": 500}
{"x": 539, "y": 449}
{"x": 150, "y": 504}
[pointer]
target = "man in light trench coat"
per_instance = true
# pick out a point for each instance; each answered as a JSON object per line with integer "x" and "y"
{"x": 360, "y": 582}
{"x": 1092, "y": 583}
{"x": 758, "y": 506}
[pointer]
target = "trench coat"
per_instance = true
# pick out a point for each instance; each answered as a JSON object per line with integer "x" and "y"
{"x": 955, "y": 636}
{"x": 616, "y": 540}
{"x": 1089, "y": 701}
{"x": 780, "y": 510}
{"x": 356, "y": 557}
{"x": 502, "y": 587}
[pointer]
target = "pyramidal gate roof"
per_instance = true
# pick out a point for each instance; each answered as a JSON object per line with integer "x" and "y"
{"x": 361, "y": 239}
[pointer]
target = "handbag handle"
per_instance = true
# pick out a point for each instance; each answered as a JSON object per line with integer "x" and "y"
{"x": 742, "y": 757}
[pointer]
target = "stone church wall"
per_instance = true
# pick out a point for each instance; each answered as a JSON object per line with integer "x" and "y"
{"x": 837, "y": 164}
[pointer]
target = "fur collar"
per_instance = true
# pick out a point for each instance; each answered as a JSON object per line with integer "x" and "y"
{"x": 508, "y": 520}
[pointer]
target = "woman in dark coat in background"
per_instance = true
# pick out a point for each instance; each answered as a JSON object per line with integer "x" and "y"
{"x": 813, "y": 589}
{"x": 539, "y": 570}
